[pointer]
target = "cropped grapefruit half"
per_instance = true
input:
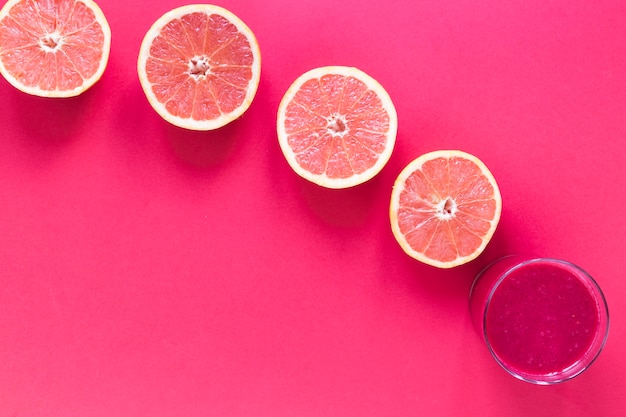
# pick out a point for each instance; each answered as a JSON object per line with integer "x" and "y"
{"x": 445, "y": 207}
{"x": 336, "y": 126}
{"x": 53, "y": 48}
{"x": 199, "y": 66}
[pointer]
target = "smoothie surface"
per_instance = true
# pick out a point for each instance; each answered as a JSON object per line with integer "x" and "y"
{"x": 541, "y": 319}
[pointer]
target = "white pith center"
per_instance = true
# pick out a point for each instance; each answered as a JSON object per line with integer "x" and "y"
{"x": 51, "y": 42}
{"x": 199, "y": 67}
{"x": 337, "y": 125}
{"x": 446, "y": 209}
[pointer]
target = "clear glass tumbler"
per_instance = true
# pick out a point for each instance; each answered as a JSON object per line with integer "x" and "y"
{"x": 543, "y": 320}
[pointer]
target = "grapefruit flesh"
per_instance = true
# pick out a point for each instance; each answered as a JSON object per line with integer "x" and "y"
{"x": 336, "y": 126}
{"x": 199, "y": 66}
{"x": 445, "y": 207}
{"x": 53, "y": 48}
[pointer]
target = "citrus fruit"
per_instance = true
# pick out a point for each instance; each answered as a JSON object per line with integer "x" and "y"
{"x": 199, "y": 66}
{"x": 336, "y": 126}
{"x": 445, "y": 206}
{"x": 53, "y": 48}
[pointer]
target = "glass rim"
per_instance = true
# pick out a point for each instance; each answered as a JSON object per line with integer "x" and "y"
{"x": 596, "y": 345}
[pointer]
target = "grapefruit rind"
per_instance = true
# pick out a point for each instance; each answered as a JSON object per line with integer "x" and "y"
{"x": 191, "y": 123}
{"x": 399, "y": 187}
{"x": 88, "y": 82}
{"x": 323, "y": 180}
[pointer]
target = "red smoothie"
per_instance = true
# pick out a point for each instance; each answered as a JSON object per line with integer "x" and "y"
{"x": 544, "y": 320}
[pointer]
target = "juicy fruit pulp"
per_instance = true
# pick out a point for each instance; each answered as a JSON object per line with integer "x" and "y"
{"x": 53, "y": 48}
{"x": 336, "y": 126}
{"x": 199, "y": 66}
{"x": 445, "y": 207}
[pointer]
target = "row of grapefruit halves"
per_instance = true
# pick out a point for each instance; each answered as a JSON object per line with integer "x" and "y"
{"x": 199, "y": 67}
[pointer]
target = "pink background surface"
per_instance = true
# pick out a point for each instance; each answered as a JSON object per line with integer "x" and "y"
{"x": 152, "y": 271}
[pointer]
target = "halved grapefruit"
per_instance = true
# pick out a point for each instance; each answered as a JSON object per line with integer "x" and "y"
{"x": 199, "y": 66}
{"x": 336, "y": 126}
{"x": 53, "y": 48}
{"x": 445, "y": 207}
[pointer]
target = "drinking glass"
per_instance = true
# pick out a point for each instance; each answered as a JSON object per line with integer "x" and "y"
{"x": 543, "y": 320}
